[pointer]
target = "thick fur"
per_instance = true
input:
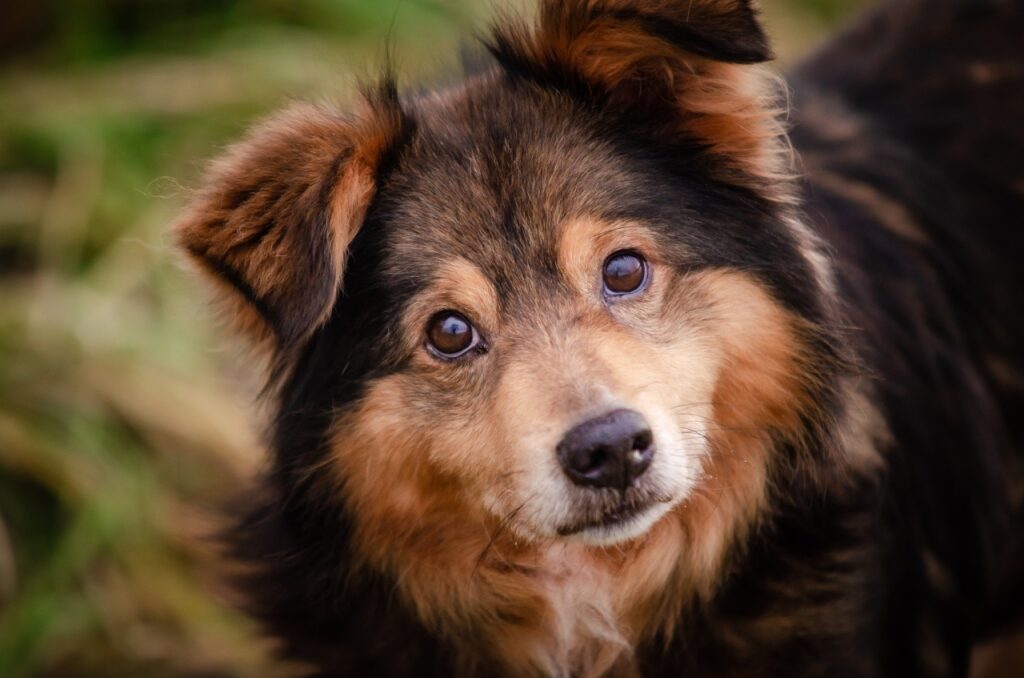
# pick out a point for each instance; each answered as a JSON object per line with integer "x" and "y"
{"x": 829, "y": 350}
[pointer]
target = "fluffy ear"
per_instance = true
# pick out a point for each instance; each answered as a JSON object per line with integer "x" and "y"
{"x": 275, "y": 216}
{"x": 681, "y": 65}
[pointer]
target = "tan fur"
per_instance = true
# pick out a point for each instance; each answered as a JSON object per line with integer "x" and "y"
{"x": 431, "y": 480}
{"x": 257, "y": 213}
{"x": 731, "y": 107}
{"x": 736, "y": 109}
{"x": 760, "y": 391}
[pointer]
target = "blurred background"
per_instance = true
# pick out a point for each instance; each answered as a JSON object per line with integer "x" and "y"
{"x": 124, "y": 420}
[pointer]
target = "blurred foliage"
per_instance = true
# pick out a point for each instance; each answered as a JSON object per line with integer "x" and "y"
{"x": 121, "y": 427}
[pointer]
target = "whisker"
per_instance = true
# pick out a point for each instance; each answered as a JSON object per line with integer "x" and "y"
{"x": 502, "y": 526}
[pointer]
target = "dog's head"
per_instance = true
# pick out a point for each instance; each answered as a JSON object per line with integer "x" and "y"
{"x": 567, "y": 302}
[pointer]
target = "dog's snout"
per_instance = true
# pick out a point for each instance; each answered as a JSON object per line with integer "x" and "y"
{"x": 611, "y": 450}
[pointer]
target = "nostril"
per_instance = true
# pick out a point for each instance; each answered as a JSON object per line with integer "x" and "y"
{"x": 642, "y": 441}
{"x": 591, "y": 460}
{"x": 639, "y": 456}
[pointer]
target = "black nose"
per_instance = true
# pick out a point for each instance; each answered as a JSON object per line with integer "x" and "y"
{"x": 608, "y": 451}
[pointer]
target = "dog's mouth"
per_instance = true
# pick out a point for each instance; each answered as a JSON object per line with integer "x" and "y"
{"x": 619, "y": 516}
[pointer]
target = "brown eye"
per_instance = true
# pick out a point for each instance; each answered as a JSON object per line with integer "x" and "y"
{"x": 450, "y": 335}
{"x": 624, "y": 272}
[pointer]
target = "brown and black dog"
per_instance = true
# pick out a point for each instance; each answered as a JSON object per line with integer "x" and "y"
{"x": 588, "y": 366}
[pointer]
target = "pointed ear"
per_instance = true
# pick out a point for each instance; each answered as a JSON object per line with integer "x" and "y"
{"x": 276, "y": 214}
{"x": 678, "y": 65}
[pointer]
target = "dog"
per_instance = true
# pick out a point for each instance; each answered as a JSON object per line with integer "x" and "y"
{"x": 620, "y": 357}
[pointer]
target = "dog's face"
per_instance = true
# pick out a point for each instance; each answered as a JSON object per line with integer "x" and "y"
{"x": 558, "y": 320}
{"x": 566, "y": 303}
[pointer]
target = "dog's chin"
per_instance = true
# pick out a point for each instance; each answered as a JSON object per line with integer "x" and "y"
{"x": 618, "y": 525}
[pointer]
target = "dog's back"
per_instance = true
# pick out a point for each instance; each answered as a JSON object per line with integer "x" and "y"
{"x": 917, "y": 111}
{"x": 910, "y": 127}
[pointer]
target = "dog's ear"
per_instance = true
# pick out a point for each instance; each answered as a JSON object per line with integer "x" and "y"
{"x": 273, "y": 221}
{"x": 682, "y": 65}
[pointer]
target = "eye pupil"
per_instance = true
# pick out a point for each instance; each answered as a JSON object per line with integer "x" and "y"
{"x": 450, "y": 334}
{"x": 624, "y": 272}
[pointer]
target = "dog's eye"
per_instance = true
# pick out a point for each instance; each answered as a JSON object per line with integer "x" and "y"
{"x": 450, "y": 335}
{"x": 624, "y": 272}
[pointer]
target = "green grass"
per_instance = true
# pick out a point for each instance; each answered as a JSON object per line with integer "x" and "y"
{"x": 123, "y": 420}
